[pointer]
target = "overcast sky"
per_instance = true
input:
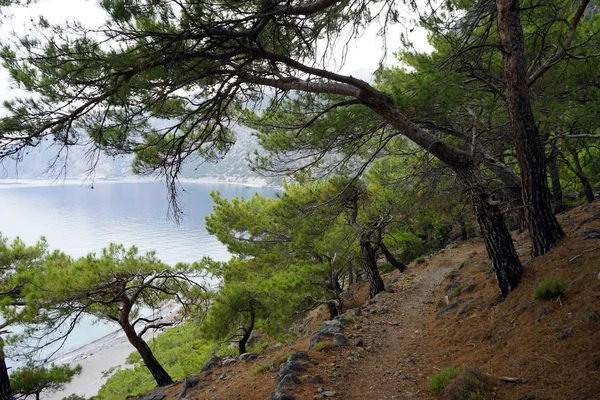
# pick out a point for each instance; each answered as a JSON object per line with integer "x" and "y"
{"x": 363, "y": 55}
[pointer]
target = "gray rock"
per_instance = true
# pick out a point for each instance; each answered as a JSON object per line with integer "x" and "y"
{"x": 317, "y": 379}
{"x": 290, "y": 379}
{"x": 248, "y": 356}
{"x": 592, "y": 316}
{"x": 591, "y": 234}
{"x": 298, "y": 355}
{"x": 287, "y": 368}
{"x": 228, "y": 361}
{"x": 469, "y": 305}
{"x": 451, "y": 286}
{"x": 359, "y": 342}
{"x": 281, "y": 395}
{"x": 191, "y": 381}
{"x": 214, "y": 361}
{"x": 566, "y": 333}
{"x": 448, "y": 308}
{"x": 328, "y": 393}
{"x": 340, "y": 340}
{"x": 468, "y": 289}
{"x": 156, "y": 394}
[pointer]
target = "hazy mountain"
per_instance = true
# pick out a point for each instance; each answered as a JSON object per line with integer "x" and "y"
{"x": 50, "y": 162}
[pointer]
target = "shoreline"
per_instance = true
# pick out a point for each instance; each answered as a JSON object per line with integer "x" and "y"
{"x": 253, "y": 182}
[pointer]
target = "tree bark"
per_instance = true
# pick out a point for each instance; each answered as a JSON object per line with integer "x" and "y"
{"x": 160, "y": 375}
{"x": 5, "y": 389}
{"x": 375, "y": 282}
{"x": 498, "y": 242}
{"x": 247, "y": 332}
{"x": 391, "y": 259}
{"x": 544, "y": 229}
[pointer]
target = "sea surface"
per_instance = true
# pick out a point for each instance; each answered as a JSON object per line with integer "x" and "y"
{"x": 79, "y": 218}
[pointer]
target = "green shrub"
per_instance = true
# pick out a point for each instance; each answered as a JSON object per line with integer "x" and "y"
{"x": 452, "y": 274}
{"x": 439, "y": 380}
{"x": 550, "y": 287}
{"x": 350, "y": 318}
{"x": 456, "y": 291}
{"x": 262, "y": 368}
{"x": 323, "y": 345}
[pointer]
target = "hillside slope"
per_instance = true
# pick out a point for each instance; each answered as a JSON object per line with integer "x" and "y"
{"x": 550, "y": 349}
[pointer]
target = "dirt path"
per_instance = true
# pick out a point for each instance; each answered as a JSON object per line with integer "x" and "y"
{"x": 394, "y": 339}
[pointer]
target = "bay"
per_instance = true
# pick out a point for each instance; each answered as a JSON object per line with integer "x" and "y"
{"x": 78, "y": 218}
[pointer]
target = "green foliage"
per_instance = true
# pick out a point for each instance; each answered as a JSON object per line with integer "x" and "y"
{"x": 550, "y": 287}
{"x": 452, "y": 274}
{"x": 456, "y": 291}
{"x": 264, "y": 367}
{"x": 181, "y": 350}
{"x": 31, "y": 380}
{"x": 323, "y": 345}
{"x": 438, "y": 381}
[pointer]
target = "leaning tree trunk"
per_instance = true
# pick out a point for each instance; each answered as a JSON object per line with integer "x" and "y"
{"x": 5, "y": 390}
{"x": 370, "y": 261}
{"x": 544, "y": 229}
{"x": 496, "y": 236}
{"x": 391, "y": 259}
{"x": 159, "y": 374}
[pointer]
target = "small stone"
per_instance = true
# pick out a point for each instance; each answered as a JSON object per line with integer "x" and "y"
{"x": 299, "y": 355}
{"x": 212, "y": 389}
{"x": 228, "y": 361}
{"x": 359, "y": 341}
{"x": 211, "y": 363}
{"x": 411, "y": 361}
{"x": 191, "y": 381}
{"x": 328, "y": 393}
{"x": 248, "y": 357}
{"x": 281, "y": 395}
{"x": 340, "y": 340}
{"x": 317, "y": 379}
{"x": 566, "y": 333}
{"x": 592, "y": 316}
{"x": 156, "y": 394}
{"x": 290, "y": 379}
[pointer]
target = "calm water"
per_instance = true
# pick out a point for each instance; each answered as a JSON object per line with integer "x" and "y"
{"x": 77, "y": 220}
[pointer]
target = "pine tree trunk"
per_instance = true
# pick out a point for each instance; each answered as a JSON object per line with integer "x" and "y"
{"x": 497, "y": 239}
{"x": 391, "y": 259}
{"x": 160, "y": 375}
{"x": 543, "y": 227}
{"x": 5, "y": 390}
{"x": 496, "y": 236}
{"x": 375, "y": 282}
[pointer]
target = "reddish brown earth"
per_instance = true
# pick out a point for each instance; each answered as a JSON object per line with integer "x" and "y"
{"x": 552, "y": 346}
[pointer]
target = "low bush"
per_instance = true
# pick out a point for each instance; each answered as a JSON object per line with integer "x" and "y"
{"x": 550, "y": 288}
{"x": 438, "y": 381}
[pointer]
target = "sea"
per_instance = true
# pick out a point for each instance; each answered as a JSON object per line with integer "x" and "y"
{"x": 81, "y": 217}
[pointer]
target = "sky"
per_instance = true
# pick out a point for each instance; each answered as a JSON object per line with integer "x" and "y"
{"x": 362, "y": 58}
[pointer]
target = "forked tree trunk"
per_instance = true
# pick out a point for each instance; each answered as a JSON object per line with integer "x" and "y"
{"x": 159, "y": 374}
{"x": 370, "y": 262}
{"x": 5, "y": 390}
{"x": 247, "y": 331}
{"x": 544, "y": 229}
